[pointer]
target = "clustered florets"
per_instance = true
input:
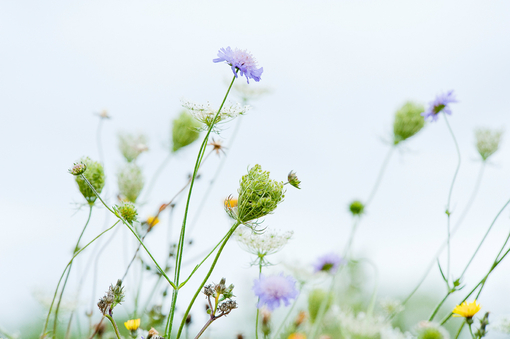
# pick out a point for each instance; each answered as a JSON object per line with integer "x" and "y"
{"x": 222, "y": 295}
{"x": 206, "y": 114}
{"x": 275, "y": 289}
{"x": 263, "y": 244}
{"x": 113, "y": 297}
{"x": 240, "y": 61}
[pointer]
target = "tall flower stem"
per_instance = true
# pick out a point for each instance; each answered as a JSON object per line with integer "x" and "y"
{"x": 213, "y": 265}
{"x": 258, "y": 310}
{"x": 460, "y": 329}
{"x": 454, "y": 230}
{"x": 55, "y": 320}
{"x": 209, "y": 322}
{"x": 439, "y": 306}
{"x": 448, "y": 212}
{"x": 380, "y": 175}
{"x": 115, "y": 328}
{"x": 62, "y": 276}
{"x": 471, "y": 331}
{"x": 180, "y": 244}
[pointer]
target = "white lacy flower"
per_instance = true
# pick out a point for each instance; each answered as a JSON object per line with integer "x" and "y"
{"x": 391, "y": 306}
{"x": 266, "y": 243}
{"x": 131, "y": 146}
{"x": 362, "y": 325}
{"x": 487, "y": 141}
{"x": 205, "y": 113}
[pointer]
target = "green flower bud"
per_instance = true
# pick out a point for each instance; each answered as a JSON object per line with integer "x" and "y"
{"x": 258, "y": 196}
{"x": 131, "y": 146}
{"x": 408, "y": 121}
{"x": 356, "y": 207}
{"x": 127, "y": 211}
{"x": 130, "y": 181}
{"x": 487, "y": 141}
{"x": 78, "y": 168}
{"x": 293, "y": 180}
{"x": 184, "y": 131}
{"x": 95, "y": 175}
{"x": 315, "y": 300}
{"x": 429, "y": 330}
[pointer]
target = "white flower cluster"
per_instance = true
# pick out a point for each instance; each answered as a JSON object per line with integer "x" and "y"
{"x": 361, "y": 325}
{"x": 487, "y": 141}
{"x": 131, "y": 146}
{"x": 502, "y": 325}
{"x": 130, "y": 180}
{"x": 205, "y": 113}
{"x": 268, "y": 242}
{"x": 391, "y": 306}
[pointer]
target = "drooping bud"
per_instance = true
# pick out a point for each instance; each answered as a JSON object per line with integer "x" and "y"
{"x": 408, "y": 121}
{"x": 356, "y": 207}
{"x": 184, "y": 131}
{"x": 127, "y": 211}
{"x": 95, "y": 175}
{"x": 293, "y": 180}
{"x": 258, "y": 196}
{"x": 131, "y": 146}
{"x": 130, "y": 180}
{"x": 487, "y": 142}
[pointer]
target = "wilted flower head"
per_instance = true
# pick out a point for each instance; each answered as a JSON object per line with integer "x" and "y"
{"x": 242, "y": 61}
{"x": 263, "y": 244}
{"x": 113, "y": 297}
{"x": 328, "y": 263}
{"x": 219, "y": 294}
{"x": 217, "y": 146}
{"x": 127, "y": 211}
{"x": 131, "y": 146}
{"x": 274, "y": 289}
{"x": 430, "y": 330}
{"x": 205, "y": 113}
{"x": 95, "y": 175}
{"x": 440, "y": 104}
{"x": 487, "y": 141}
{"x": 408, "y": 121}
{"x": 130, "y": 180}
{"x": 184, "y": 131}
{"x": 315, "y": 300}
{"x": 356, "y": 207}
{"x": 258, "y": 196}
{"x": 466, "y": 310}
{"x": 293, "y": 180}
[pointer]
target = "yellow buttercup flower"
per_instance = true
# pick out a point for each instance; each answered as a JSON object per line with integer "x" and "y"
{"x": 230, "y": 203}
{"x": 152, "y": 221}
{"x": 132, "y": 325}
{"x": 466, "y": 310}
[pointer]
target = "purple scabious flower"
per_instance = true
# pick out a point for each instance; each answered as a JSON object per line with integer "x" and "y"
{"x": 328, "y": 263}
{"x": 242, "y": 61}
{"x": 440, "y": 104}
{"x": 274, "y": 289}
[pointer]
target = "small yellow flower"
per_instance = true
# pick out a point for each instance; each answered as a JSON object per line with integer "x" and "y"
{"x": 152, "y": 221}
{"x": 296, "y": 336}
{"x": 132, "y": 325}
{"x": 230, "y": 203}
{"x": 466, "y": 310}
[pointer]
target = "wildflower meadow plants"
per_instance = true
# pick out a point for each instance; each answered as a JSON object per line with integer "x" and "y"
{"x": 319, "y": 285}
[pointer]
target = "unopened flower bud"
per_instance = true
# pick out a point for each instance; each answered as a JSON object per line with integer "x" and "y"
{"x": 184, "y": 131}
{"x": 78, "y": 168}
{"x": 356, "y": 207}
{"x": 293, "y": 180}
{"x": 487, "y": 142}
{"x": 95, "y": 175}
{"x": 315, "y": 300}
{"x": 130, "y": 180}
{"x": 408, "y": 121}
{"x": 127, "y": 211}
{"x": 227, "y": 306}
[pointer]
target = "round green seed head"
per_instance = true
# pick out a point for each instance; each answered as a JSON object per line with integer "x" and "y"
{"x": 356, "y": 207}
{"x": 95, "y": 175}
{"x": 408, "y": 121}
{"x": 184, "y": 131}
{"x": 127, "y": 211}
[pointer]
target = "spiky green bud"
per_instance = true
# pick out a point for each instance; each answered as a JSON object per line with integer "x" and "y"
{"x": 487, "y": 142}
{"x": 131, "y": 146}
{"x": 127, "y": 211}
{"x": 408, "y": 121}
{"x": 184, "y": 131}
{"x": 130, "y": 180}
{"x": 356, "y": 207}
{"x": 315, "y": 300}
{"x": 95, "y": 175}
{"x": 258, "y": 196}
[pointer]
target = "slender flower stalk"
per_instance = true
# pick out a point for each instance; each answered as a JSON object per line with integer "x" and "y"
{"x": 382, "y": 170}
{"x": 115, "y": 328}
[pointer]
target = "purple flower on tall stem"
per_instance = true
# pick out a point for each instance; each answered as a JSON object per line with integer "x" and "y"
{"x": 242, "y": 61}
{"x": 440, "y": 104}
{"x": 328, "y": 263}
{"x": 274, "y": 289}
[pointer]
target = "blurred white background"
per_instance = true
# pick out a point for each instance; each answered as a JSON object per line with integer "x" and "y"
{"x": 338, "y": 70}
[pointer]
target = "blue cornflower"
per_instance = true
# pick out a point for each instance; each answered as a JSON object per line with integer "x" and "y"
{"x": 242, "y": 61}
{"x": 440, "y": 104}
{"x": 274, "y": 289}
{"x": 328, "y": 263}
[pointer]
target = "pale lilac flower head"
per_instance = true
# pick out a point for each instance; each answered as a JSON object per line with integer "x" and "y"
{"x": 242, "y": 61}
{"x": 275, "y": 289}
{"x": 328, "y": 263}
{"x": 440, "y": 104}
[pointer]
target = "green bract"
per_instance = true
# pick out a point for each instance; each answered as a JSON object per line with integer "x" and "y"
{"x": 258, "y": 195}
{"x": 184, "y": 131}
{"x": 408, "y": 121}
{"x": 95, "y": 175}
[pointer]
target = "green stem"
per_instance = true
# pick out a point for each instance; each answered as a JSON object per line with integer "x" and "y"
{"x": 140, "y": 283}
{"x": 380, "y": 176}
{"x": 180, "y": 245}
{"x": 132, "y": 231}
{"x": 213, "y": 265}
{"x": 55, "y": 321}
{"x": 322, "y": 309}
{"x": 258, "y": 301}
{"x": 114, "y": 326}
{"x": 460, "y": 329}
{"x": 288, "y": 313}
{"x": 471, "y": 331}
{"x": 62, "y": 276}
{"x": 438, "y": 306}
